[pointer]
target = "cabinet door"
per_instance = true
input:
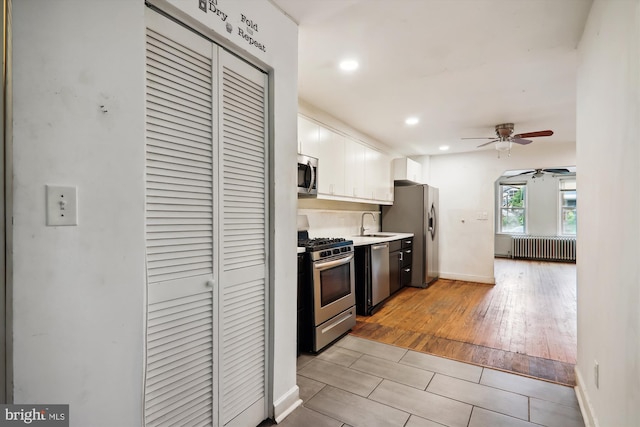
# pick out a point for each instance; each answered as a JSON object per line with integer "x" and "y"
{"x": 405, "y": 276}
{"x": 395, "y": 265}
{"x": 331, "y": 163}
{"x": 308, "y": 137}
{"x": 384, "y": 187}
{"x": 354, "y": 169}
{"x": 371, "y": 173}
{"x": 407, "y": 259}
{"x": 377, "y": 181}
{"x": 414, "y": 171}
{"x": 407, "y": 169}
{"x": 387, "y": 179}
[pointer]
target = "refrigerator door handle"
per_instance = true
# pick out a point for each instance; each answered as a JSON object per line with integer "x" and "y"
{"x": 432, "y": 221}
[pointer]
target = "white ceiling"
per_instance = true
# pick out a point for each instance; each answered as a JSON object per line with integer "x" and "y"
{"x": 461, "y": 66}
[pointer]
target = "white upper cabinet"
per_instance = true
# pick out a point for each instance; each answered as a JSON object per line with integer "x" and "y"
{"x": 354, "y": 169}
{"x": 405, "y": 169}
{"x": 331, "y": 163}
{"x": 377, "y": 176}
{"x": 308, "y": 137}
{"x": 347, "y": 169}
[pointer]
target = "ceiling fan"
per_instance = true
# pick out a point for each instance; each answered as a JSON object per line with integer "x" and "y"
{"x": 539, "y": 173}
{"x": 505, "y": 139}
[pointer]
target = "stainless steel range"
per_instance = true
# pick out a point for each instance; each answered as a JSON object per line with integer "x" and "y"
{"x": 328, "y": 291}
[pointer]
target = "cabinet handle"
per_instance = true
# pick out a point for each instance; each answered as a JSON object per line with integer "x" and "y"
{"x": 406, "y": 270}
{"x": 401, "y": 256}
{"x": 408, "y": 242}
{"x": 408, "y": 251}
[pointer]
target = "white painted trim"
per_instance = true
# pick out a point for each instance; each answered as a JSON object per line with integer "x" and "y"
{"x": 468, "y": 278}
{"x": 583, "y": 401}
{"x": 286, "y": 404}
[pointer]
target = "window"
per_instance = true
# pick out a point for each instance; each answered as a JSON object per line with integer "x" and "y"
{"x": 513, "y": 208}
{"x": 568, "y": 212}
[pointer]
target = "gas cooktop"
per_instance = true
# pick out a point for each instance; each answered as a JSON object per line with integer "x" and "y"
{"x": 321, "y": 243}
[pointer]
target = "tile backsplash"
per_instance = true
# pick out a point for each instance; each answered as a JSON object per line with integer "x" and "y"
{"x": 339, "y": 223}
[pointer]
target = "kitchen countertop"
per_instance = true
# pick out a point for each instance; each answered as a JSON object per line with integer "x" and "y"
{"x": 380, "y": 237}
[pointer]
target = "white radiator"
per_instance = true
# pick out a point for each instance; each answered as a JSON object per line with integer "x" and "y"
{"x": 544, "y": 248}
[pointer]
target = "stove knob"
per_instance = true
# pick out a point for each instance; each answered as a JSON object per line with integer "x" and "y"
{"x": 336, "y": 251}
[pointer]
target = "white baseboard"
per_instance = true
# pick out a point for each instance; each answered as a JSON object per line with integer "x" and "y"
{"x": 286, "y": 404}
{"x": 583, "y": 400}
{"x": 468, "y": 278}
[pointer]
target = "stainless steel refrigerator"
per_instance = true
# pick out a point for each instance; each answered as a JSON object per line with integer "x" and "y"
{"x": 415, "y": 210}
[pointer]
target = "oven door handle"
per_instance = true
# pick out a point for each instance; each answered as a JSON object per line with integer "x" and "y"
{"x": 333, "y": 263}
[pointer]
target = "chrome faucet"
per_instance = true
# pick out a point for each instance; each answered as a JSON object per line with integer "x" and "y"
{"x": 362, "y": 229}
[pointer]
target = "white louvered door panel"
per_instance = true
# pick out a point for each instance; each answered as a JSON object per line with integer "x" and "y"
{"x": 180, "y": 374}
{"x": 243, "y": 243}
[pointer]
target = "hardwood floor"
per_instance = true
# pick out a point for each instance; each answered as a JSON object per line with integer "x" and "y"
{"x": 525, "y": 323}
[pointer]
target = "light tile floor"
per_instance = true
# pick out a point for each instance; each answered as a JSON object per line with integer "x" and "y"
{"x": 358, "y": 382}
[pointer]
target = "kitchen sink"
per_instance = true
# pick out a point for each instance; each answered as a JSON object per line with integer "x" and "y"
{"x": 378, "y": 235}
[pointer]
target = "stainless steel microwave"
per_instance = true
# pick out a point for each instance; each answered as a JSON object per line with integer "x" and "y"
{"x": 307, "y": 176}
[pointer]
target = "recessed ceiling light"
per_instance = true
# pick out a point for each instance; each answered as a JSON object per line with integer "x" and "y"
{"x": 444, "y": 147}
{"x": 349, "y": 65}
{"x": 412, "y": 121}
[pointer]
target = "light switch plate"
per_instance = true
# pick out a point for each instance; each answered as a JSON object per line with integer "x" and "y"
{"x": 62, "y": 205}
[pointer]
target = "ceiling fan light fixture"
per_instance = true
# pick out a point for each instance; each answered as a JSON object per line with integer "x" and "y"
{"x": 503, "y": 145}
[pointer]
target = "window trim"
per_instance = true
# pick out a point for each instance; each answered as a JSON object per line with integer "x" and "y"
{"x": 499, "y": 208}
{"x": 561, "y": 207}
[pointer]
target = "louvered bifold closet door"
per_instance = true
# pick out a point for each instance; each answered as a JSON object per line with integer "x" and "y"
{"x": 179, "y": 381}
{"x": 243, "y": 243}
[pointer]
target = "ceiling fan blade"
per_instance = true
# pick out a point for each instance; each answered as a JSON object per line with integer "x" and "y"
{"x": 558, "y": 171}
{"x": 521, "y": 141}
{"x": 487, "y": 143}
{"x": 534, "y": 134}
{"x": 523, "y": 173}
{"x": 482, "y": 137}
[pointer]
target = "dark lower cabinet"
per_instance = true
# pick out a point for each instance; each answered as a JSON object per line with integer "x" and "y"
{"x": 400, "y": 258}
{"x": 395, "y": 266}
{"x": 303, "y": 315}
{"x": 407, "y": 258}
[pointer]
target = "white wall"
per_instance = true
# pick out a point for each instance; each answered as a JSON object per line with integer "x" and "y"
{"x": 79, "y": 291}
{"x": 608, "y": 126}
{"x": 466, "y": 183}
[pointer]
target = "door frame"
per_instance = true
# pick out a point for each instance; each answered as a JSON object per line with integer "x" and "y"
{"x": 6, "y": 395}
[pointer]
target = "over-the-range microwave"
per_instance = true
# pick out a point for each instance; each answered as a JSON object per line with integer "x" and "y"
{"x": 307, "y": 176}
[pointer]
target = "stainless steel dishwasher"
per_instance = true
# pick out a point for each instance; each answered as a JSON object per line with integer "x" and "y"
{"x": 379, "y": 273}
